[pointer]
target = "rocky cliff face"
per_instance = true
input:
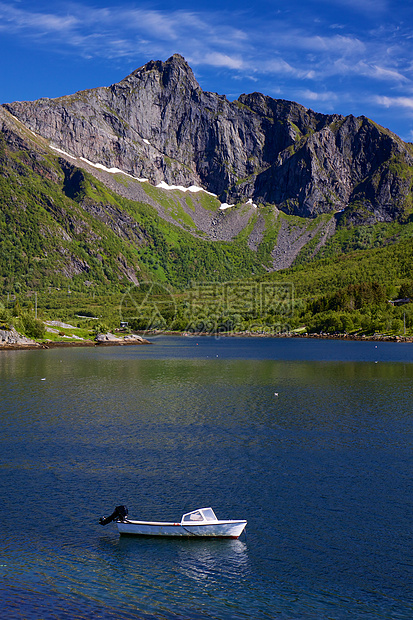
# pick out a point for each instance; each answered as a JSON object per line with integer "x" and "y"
{"x": 158, "y": 124}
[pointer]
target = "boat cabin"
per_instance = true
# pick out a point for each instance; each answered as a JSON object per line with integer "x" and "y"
{"x": 202, "y": 515}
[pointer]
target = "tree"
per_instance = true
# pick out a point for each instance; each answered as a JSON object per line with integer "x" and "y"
{"x": 406, "y": 290}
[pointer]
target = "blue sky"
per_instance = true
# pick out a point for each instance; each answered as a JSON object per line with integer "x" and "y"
{"x": 342, "y": 56}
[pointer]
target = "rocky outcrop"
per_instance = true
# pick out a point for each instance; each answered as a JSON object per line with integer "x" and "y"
{"x": 110, "y": 338}
{"x": 135, "y": 339}
{"x": 292, "y": 240}
{"x": 158, "y": 124}
{"x": 10, "y": 337}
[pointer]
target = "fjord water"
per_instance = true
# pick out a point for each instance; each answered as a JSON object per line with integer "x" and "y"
{"x": 310, "y": 441}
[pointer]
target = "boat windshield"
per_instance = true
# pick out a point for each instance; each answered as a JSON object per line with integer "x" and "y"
{"x": 209, "y": 514}
{"x": 203, "y": 514}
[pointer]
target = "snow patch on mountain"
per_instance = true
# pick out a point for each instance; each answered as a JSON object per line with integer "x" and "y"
{"x": 111, "y": 170}
{"x": 181, "y": 188}
{"x": 62, "y": 152}
{"x": 162, "y": 185}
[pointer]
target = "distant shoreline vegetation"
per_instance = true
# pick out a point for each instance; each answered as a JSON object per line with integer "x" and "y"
{"x": 88, "y": 343}
{"x": 259, "y": 308}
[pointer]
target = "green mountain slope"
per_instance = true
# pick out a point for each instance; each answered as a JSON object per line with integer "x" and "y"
{"x": 60, "y": 226}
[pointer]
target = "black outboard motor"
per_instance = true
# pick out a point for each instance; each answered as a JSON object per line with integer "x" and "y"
{"x": 119, "y": 514}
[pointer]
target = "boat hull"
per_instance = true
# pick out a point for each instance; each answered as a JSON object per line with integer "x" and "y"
{"x": 219, "y": 529}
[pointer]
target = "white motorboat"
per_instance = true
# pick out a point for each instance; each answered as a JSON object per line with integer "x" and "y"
{"x": 200, "y": 523}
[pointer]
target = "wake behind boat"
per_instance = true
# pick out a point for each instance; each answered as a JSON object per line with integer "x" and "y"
{"x": 200, "y": 523}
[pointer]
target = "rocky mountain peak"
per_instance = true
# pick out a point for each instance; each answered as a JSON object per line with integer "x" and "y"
{"x": 171, "y": 73}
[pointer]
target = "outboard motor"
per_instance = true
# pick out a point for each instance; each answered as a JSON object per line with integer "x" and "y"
{"x": 119, "y": 514}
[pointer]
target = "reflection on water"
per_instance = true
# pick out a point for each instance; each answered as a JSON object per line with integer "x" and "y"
{"x": 212, "y": 563}
{"x": 316, "y": 453}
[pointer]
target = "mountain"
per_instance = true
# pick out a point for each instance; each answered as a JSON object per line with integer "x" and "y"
{"x": 154, "y": 179}
{"x": 158, "y": 124}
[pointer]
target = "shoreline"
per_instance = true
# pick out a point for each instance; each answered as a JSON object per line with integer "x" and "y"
{"x": 113, "y": 343}
{"x": 61, "y": 344}
{"x": 353, "y": 337}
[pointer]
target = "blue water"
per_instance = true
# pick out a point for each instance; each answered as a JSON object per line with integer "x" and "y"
{"x": 322, "y": 472}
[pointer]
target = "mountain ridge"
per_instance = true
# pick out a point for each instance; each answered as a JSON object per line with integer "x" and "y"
{"x": 157, "y": 123}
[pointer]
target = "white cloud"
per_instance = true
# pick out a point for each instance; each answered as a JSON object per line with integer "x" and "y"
{"x": 112, "y": 32}
{"x": 272, "y": 49}
{"x": 311, "y": 95}
{"x": 159, "y": 25}
{"x": 216, "y": 59}
{"x": 392, "y": 102}
{"x": 362, "y": 68}
{"x": 338, "y": 44}
{"x": 15, "y": 20}
{"x": 386, "y": 74}
{"x": 277, "y": 66}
